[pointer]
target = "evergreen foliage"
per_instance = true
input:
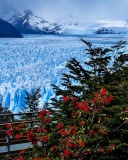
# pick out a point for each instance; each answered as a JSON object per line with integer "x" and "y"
{"x": 106, "y": 68}
{"x": 4, "y": 110}
{"x": 31, "y": 103}
{"x": 88, "y": 118}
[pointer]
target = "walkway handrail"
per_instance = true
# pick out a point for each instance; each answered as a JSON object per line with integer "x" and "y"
{"x": 13, "y": 122}
{"x": 16, "y": 114}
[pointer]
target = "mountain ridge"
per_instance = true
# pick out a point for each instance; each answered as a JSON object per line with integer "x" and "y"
{"x": 28, "y": 23}
{"x": 7, "y": 30}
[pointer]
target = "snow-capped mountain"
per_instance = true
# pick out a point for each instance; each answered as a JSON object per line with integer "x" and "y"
{"x": 28, "y": 23}
{"x": 110, "y": 27}
{"x": 105, "y": 31}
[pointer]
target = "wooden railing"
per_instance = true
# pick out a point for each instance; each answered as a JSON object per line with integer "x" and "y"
{"x": 6, "y": 142}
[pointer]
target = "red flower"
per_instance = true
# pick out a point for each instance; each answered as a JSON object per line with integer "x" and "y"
{"x": 109, "y": 149}
{"x": 101, "y": 150}
{"x": 22, "y": 151}
{"x": 105, "y": 132}
{"x": 21, "y": 158}
{"x": 94, "y": 100}
{"x": 34, "y": 142}
{"x": 16, "y": 157}
{"x": 48, "y": 112}
{"x": 16, "y": 128}
{"x": 63, "y": 132}
{"x": 38, "y": 129}
{"x": 17, "y": 136}
{"x": 74, "y": 114}
{"x": 96, "y": 110}
{"x": 60, "y": 125}
{"x": 113, "y": 146}
{"x": 9, "y": 133}
{"x": 8, "y": 125}
{"x": 86, "y": 109}
{"x": 74, "y": 98}
{"x": 29, "y": 137}
{"x": 47, "y": 120}
{"x": 91, "y": 131}
{"x": 60, "y": 154}
{"x": 103, "y": 91}
{"x": 126, "y": 110}
{"x": 75, "y": 146}
{"x": 70, "y": 144}
{"x": 74, "y": 155}
{"x": 82, "y": 144}
{"x": 110, "y": 99}
{"x": 66, "y": 98}
{"x": 73, "y": 129}
{"x": 43, "y": 113}
{"x": 22, "y": 124}
{"x": 31, "y": 132}
{"x": 45, "y": 139}
{"x": 53, "y": 148}
{"x": 88, "y": 152}
{"x": 97, "y": 95}
{"x": 45, "y": 130}
{"x": 66, "y": 153}
{"x": 84, "y": 106}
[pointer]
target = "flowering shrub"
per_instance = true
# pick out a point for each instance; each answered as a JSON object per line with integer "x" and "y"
{"x": 85, "y": 134}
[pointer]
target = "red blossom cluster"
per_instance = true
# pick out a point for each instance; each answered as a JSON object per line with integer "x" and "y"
{"x": 9, "y": 129}
{"x": 74, "y": 140}
{"x": 44, "y": 113}
{"x": 60, "y": 126}
{"x": 66, "y": 98}
{"x": 83, "y": 106}
{"x": 102, "y": 97}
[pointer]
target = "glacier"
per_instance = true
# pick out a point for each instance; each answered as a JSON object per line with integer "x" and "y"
{"x": 39, "y": 61}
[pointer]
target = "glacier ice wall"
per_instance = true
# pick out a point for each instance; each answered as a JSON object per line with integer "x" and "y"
{"x": 34, "y": 61}
{"x": 39, "y": 61}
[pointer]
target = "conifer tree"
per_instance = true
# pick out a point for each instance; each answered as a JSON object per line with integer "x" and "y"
{"x": 4, "y": 110}
{"x": 32, "y": 103}
{"x": 106, "y": 68}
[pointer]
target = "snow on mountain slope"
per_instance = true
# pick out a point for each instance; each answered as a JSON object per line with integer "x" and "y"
{"x": 69, "y": 28}
{"x": 28, "y": 23}
{"x": 116, "y": 26}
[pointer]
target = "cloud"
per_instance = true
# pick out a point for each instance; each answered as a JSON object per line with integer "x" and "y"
{"x": 77, "y": 10}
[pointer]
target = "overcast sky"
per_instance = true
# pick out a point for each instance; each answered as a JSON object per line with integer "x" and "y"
{"x": 77, "y": 10}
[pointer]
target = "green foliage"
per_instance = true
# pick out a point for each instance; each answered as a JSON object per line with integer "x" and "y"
{"x": 4, "y": 110}
{"x": 108, "y": 68}
{"x": 88, "y": 118}
{"x": 5, "y": 118}
{"x": 32, "y": 103}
